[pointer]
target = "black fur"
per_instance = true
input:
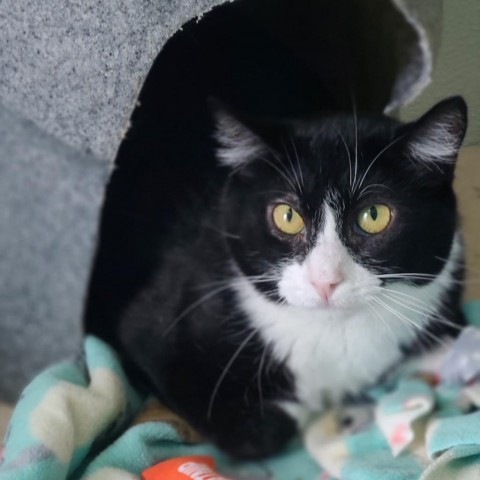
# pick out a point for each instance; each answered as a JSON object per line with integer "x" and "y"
{"x": 186, "y": 335}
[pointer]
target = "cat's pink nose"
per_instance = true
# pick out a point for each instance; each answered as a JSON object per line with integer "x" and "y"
{"x": 326, "y": 288}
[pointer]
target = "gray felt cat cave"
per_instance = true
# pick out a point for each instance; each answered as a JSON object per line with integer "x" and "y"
{"x": 104, "y": 114}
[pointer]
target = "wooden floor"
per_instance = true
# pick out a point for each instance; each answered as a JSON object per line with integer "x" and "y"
{"x": 467, "y": 185}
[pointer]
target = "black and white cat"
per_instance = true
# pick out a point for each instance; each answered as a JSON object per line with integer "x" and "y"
{"x": 329, "y": 254}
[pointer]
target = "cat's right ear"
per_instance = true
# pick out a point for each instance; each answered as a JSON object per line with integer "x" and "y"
{"x": 238, "y": 144}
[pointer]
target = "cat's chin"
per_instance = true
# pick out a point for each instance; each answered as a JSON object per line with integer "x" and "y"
{"x": 333, "y": 306}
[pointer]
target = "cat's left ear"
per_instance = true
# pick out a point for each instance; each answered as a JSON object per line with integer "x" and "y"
{"x": 435, "y": 139}
{"x": 238, "y": 141}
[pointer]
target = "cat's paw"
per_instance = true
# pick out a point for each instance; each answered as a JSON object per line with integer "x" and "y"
{"x": 256, "y": 434}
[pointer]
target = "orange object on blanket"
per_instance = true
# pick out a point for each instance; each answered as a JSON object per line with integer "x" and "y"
{"x": 193, "y": 467}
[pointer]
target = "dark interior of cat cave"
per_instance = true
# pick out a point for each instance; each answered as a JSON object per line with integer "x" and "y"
{"x": 264, "y": 58}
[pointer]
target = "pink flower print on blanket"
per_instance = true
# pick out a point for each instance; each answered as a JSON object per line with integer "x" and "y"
{"x": 396, "y": 413}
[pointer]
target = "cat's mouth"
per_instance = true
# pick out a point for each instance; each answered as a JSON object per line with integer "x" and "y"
{"x": 325, "y": 305}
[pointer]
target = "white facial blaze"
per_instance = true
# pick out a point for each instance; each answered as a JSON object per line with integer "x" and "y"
{"x": 327, "y": 262}
{"x": 328, "y": 276}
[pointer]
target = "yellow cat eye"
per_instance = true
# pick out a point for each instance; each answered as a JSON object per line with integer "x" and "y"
{"x": 374, "y": 219}
{"x": 287, "y": 219}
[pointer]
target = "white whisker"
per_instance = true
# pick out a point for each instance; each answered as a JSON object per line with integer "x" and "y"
{"x": 342, "y": 138}
{"x": 373, "y": 185}
{"x": 410, "y": 322}
{"x": 239, "y": 281}
{"x": 425, "y": 309}
{"x": 225, "y": 371}
{"x": 295, "y": 151}
{"x": 193, "y": 306}
{"x": 259, "y": 376}
{"x": 406, "y": 275}
{"x": 221, "y": 232}
{"x": 278, "y": 170}
{"x": 379, "y": 154}
{"x": 354, "y": 105}
{"x": 293, "y": 171}
{"x": 416, "y": 276}
{"x": 424, "y": 312}
{"x": 388, "y": 328}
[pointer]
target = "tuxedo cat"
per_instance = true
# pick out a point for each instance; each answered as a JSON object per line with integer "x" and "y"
{"x": 328, "y": 254}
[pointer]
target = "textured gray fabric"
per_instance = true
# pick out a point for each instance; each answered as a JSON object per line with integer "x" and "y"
{"x": 415, "y": 58}
{"x": 75, "y": 67}
{"x": 74, "y": 70}
{"x": 49, "y": 201}
{"x": 70, "y": 73}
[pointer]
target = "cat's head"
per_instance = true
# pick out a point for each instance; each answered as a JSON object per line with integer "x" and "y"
{"x": 321, "y": 213}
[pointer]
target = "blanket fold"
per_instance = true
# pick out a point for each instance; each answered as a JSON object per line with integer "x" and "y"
{"x": 82, "y": 419}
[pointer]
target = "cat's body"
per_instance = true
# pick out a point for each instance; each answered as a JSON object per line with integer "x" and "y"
{"x": 248, "y": 324}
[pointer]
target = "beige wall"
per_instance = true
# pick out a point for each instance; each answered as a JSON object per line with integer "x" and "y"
{"x": 457, "y": 70}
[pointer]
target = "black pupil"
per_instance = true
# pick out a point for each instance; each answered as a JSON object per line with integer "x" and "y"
{"x": 289, "y": 215}
{"x": 373, "y": 213}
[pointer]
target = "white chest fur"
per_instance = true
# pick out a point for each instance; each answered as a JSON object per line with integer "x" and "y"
{"x": 333, "y": 351}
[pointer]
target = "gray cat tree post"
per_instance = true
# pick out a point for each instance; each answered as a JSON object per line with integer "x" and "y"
{"x": 70, "y": 74}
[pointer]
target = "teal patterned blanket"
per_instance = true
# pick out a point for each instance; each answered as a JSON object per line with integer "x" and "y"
{"x": 80, "y": 420}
